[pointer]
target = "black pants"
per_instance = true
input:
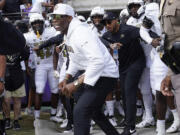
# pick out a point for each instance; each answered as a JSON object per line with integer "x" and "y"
{"x": 69, "y": 109}
{"x": 129, "y": 81}
{"x": 89, "y": 106}
{"x": 70, "y": 101}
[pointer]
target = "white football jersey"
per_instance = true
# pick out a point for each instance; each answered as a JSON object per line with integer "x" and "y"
{"x": 135, "y": 22}
{"x": 99, "y": 33}
{"x": 44, "y": 56}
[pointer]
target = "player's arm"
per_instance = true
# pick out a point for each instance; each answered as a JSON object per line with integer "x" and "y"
{"x": 2, "y": 72}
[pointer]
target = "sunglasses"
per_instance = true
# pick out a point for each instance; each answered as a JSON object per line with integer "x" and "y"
{"x": 57, "y": 17}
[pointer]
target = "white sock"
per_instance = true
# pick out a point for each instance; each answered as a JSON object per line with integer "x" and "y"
{"x": 53, "y": 111}
{"x": 60, "y": 107}
{"x": 36, "y": 114}
{"x": 110, "y": 107}
{"x": 175, "y": 114}
{"x": 161, "y": 126}
{"x": 147, "y": 99}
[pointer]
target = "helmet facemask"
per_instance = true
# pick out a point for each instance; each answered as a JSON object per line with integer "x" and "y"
{"x": 97, "y": 21}
{"x": 38, "y": 26}
{"x": 133, "y": 8}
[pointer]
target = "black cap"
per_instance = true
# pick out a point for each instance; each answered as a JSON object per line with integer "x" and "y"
{"x": 109, "y": 16}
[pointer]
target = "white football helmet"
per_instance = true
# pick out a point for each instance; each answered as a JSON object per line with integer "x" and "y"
{"x": 97, "y": 11}
{"x": 141, "y": 2}
{"x": 137, "y": 2}
{"x": 89, "y": 21}
{"x": 36, "y": 16}
{"x": 123, "y": 13}
{"x": 81, "y": 18}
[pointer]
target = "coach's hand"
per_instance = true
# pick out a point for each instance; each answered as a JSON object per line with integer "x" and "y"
{"x": 156, "y": 42}
{"x": 69, "y": 89}
{"x": 62, "y": 84}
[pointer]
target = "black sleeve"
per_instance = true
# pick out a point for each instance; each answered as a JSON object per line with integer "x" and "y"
{"x": 25, "y": 53}
{"x": 107, "y": 36}
{"x": 153, "y": 34}
{"x": 54, "y": 40}
{"x": 135, "y": 32}
{"x": 105, "y": 42}
{"x": 12, "y": 40}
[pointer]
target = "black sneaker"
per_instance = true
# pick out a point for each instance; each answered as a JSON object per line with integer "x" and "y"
{"x": 68, "y": 128}
{"x": 20, "y": 118}
{"x": 122, "y": 123}
{"x": 129, "y": 132}
{"x": 16, "y": 125}
{"x": 8, "y": 123}
{"x": 2, "y": 127}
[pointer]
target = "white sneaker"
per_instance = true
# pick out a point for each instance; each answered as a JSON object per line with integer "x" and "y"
{"x": 156, "y": 130}
{"x": 28, "y": 111}
{"x": 160, "y": 130}
{"x": 119, "y": 108}
{"x": 68, "y": 128}
{"x": 56, "y": 119}
{"x": 64, "y": 123}
{"x": 146, "y": 123}
{"x": 68, "y": 131}
{"x": 113, "y": 120}
{"x": 129, "y": 132}
{"x": 174, "y": 127}
{"x": 133, "y": 132}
